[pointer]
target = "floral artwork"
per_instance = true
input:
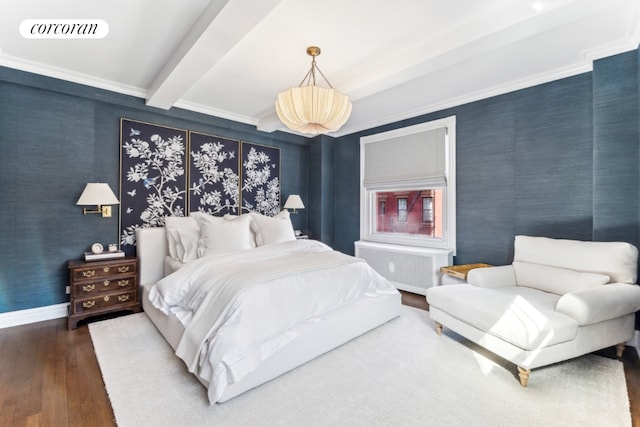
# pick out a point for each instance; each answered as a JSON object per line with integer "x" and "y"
{"x": 167, "y": 171}
{"x": 152, "y": 177}
{"x": 260, "y": 187}
{"x": 214, "y": 185}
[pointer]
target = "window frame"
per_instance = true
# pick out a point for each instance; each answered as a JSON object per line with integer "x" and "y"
{"x": 368, "y": 202}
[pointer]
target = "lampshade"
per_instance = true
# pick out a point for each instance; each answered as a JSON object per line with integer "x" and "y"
{"x": 97, "y": 193}
{"x": 294, "y": 202}
{"x": 312, "y": 109}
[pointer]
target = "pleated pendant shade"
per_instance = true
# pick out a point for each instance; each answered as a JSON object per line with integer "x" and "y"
{"x": 312, "y": 109}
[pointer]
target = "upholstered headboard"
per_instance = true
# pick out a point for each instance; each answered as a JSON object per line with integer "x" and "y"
{"x": 152, "y": 250}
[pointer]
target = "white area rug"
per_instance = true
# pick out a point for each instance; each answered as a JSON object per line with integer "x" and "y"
{"x": 400, "y": 374}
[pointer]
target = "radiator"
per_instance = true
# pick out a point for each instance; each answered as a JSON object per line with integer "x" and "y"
{"x": 410, "y": 268}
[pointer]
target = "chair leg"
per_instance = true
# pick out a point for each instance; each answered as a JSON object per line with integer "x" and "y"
{"x": 524, "y": 376}
{"x": 438, "y": 328}
{"x": 620, "y": 349}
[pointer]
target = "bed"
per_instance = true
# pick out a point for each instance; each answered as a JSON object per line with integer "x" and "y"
{"x": 308, "y": 333}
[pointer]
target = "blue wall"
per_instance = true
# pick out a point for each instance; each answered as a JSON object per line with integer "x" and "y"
{"x": 559, "y": 160}
{"x": 56, "y": 137}
{"x": 616, "y": 148}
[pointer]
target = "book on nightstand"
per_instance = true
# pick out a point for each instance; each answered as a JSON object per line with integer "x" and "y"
{"x": 90, "y": 256}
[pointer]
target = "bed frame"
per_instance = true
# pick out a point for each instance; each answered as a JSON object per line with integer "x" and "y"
{"x": 335, "y": 329}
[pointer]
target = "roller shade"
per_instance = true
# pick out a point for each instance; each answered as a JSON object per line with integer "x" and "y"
{"x": 415, "y": 159}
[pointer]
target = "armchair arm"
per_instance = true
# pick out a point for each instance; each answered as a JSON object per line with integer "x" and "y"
{"x": 492, "y": 277}
{"x": 593, "y": 305}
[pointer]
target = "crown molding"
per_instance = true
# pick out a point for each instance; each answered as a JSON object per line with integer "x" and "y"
{"x": 70, "y": 76}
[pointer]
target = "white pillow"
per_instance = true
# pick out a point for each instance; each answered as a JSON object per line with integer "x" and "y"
{"x": 555, "y": 279}
{"x": 218, "y": 235}
{"x": 182, "y": 237}
{"x": 269, "y": 230}
{"x": 229, "y": 217}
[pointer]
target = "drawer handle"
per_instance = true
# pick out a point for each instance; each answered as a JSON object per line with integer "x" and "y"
{"x": 106, "y": 298}
{"x": 88, "y": 288}
{"x": 88, "y": 273}
{"x": 105, "y": 269}
{"x": 123, "y": 282}
{"x": 105, "y": 283}
{"x": 122, "y": 298}
{"x": 88, "y": 304}
{"x": 123, "y": 269}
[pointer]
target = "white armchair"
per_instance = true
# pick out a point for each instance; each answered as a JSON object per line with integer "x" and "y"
{"x": 558, "y": 300}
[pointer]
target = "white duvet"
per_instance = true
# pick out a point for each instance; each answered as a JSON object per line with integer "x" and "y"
{"x": 239, "y": 308}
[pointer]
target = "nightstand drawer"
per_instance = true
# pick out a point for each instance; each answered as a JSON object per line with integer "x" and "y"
{"x": 98, "y": 271}
{"x": 104, "y": 286}
{"x": 100, "y": 302}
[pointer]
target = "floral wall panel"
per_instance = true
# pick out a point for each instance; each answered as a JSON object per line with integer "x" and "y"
{"x": 214, "y": 164}
{"x": 152, "y": 177}
{"x": 260, "y": 179}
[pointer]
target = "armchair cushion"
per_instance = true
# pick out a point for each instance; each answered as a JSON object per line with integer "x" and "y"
{"x": 601, "y": 303}
{"x": 524, "y": 317}
{"x": 618, "y": 260}
{"x": 492, "y": 277}
{"x": 555, "y": 279}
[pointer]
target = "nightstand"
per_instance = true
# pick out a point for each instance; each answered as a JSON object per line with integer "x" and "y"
{"x": 99, "y": 287}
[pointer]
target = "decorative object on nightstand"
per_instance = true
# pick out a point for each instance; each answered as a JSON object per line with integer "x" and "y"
{"x": 98, "y": 194}
{"x": 97, "y": 253}
{"x": 294, "y": 202}
{"x": 101, "y": 287}
{"x": 102, "y": 256}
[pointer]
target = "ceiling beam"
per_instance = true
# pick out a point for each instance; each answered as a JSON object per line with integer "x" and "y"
{"x": 220, "y": 27}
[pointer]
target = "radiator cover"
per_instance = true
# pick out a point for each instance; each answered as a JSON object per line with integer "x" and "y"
{"x": 410, "y": 268}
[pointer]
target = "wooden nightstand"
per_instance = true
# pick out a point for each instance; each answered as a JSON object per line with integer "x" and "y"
{"x": 100, "y": 287}
{"x": 458, "y": 273}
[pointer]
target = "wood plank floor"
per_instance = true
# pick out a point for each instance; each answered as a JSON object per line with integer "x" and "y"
{"x": 49, "y": 376}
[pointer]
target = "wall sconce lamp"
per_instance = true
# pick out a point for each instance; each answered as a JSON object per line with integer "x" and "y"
{"x": 294, "y": 202}
{"x": 98, "y": 194}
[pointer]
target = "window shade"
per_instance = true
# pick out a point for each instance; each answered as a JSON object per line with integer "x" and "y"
{"x": 418, "y": 158}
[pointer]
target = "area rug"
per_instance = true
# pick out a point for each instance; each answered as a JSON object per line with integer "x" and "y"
{"x": 400, "y": 374}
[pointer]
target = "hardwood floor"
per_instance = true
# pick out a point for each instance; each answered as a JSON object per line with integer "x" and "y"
{"x": 49, "y": 376}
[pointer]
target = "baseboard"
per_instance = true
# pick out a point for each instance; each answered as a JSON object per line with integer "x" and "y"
{"x": 32, "y": 315}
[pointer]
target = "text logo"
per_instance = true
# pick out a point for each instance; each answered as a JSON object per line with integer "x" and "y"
{"x": 64, "y": 29}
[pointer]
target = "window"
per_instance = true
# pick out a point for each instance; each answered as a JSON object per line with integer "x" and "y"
{"x": 402, "y": 209}
{"x": 408, "y": 186}
{"x": 427, "y": 209}
{"x": 413, "y": 214}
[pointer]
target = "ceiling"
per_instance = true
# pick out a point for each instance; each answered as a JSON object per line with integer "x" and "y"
{"x": 395, "y": 60}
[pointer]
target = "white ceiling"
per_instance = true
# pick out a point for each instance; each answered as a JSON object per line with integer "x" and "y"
{"x": 394, "y": 59}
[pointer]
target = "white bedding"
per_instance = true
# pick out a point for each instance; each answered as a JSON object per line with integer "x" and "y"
{"x": 239, "y": 308}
